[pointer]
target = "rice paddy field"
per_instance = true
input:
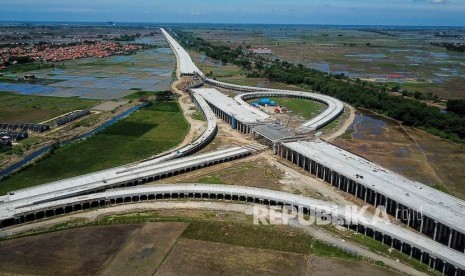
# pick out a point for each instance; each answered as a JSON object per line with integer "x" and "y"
{"x": 366, "y": 53}
{"x": 101, "y": 78}
{"x": 147, "y": 132}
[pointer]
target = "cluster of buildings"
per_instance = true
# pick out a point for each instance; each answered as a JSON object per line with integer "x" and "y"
{"x": 61, "y": 53}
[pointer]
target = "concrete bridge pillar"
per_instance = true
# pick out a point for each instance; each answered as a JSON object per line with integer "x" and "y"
{"x": 421, "y": 224}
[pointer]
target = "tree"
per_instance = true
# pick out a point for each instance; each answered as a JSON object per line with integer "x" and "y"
{"x": 456, "y": 106}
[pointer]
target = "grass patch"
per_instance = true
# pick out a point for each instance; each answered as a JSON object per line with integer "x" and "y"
{"x": 211, "y": 179}
{"x": 140, "y": 94}
{"x": 21, "y": 68}
{"x": 26, "y": 108}
{"x": 198, "y": 116}
{"x": 265, "y": 237}
{"x": 333, "y": 125}
{"x": 305, "y": 108}
{"x": 147, "y": 132}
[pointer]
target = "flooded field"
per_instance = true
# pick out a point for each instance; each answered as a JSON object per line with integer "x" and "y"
{"x": 366, "y": 53}
{"x": 410, "y": 152}
{"x": 107, "y": 78}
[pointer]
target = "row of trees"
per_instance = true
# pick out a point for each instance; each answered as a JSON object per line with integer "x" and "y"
{"x": 218, "y": 52}
{"x": 375, "y": 97}
{"x": 410, "y": 111}
{"x": 456, "y": 106}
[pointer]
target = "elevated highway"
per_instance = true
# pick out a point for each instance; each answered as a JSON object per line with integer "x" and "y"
{"x": 186, "y": 66}
{"x": 435, "y": 255}
{"x": 117, "y": 177}
{"x": 437, "y": 215}
{"x": 334, "y": 109}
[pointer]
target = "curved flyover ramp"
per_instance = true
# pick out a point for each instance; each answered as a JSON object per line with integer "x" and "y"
{"x": 333, "y": 110}
{"x": 434, "y": 254}
{"x": 334, "y": 106}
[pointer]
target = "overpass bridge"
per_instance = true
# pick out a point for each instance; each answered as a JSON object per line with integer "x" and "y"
{"x": 434, "y": 254}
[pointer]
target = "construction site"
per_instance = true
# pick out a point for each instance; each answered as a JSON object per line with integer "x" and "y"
{"x": 244, "y": 126}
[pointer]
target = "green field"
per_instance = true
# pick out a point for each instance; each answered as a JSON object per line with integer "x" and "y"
{"x": 306, "y": 108}
{"x": 21, "y": 68}
{"x": 138, "y": 94}
{"x": 26, "y": 108}
{"x": 147, "y": 132}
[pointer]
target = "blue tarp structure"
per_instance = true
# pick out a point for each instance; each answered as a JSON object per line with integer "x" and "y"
{"x": 267, "y": 101}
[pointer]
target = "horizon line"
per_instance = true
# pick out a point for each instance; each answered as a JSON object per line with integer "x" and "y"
{"x": 231, "y": 23}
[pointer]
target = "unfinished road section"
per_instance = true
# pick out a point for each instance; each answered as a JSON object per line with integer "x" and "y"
{"x": 238, "y": 116}
{"x": 434, "y": 254}
{"x": 186, "y": 66}
{"x": 437, "y": 215}
{"x": 334, "y": 109}
{"x": 141, "y": 173}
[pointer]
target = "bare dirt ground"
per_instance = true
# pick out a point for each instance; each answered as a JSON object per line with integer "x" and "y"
{"x": 324, "y": 267}
{"x": 341, "y": 130}
{"x": 226, "y": 138}
{"x": 109, "y": 105}
{"x": 146, "y": 249}
{"x": 196, "y": 127}
{"x": 254, "y": 171}
{"x": 191, "y": 257}
{"x": 72, "y": 252}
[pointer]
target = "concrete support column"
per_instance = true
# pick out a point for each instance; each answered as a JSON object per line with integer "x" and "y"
{"x": 450, "y": 237}
{"x": 435, "y": 230}
{"x": 408, "y": 217}
{"x": 421, "y": 224}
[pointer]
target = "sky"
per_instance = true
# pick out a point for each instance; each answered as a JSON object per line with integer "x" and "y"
{"x": 333, "y": 12}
